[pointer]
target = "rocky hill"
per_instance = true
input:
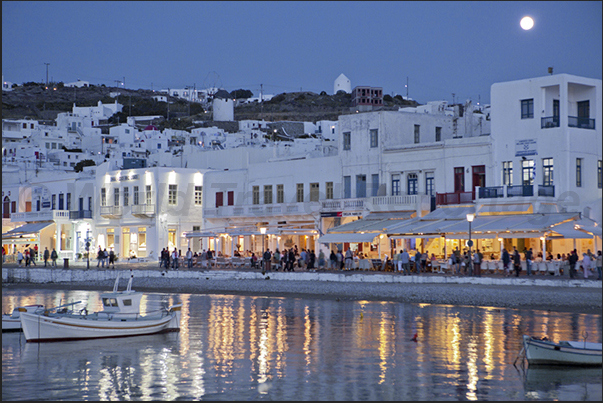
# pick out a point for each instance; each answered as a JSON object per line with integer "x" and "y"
{"x": 35, "y": 101}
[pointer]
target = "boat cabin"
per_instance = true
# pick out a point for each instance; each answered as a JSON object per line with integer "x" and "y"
{"x": 121, "y": 301}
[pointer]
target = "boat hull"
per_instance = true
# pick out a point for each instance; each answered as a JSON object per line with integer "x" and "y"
{"x": 541, "y": 352}
{"x": 47, "y": 328}
{"x": 12, "y": 322}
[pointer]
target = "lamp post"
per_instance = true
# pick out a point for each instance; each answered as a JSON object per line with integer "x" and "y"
{"x": 263, "y": 232}
{"x": 470, "y": 218}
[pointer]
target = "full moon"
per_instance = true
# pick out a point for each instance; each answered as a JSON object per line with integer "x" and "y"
{"x": 526, "y": 23}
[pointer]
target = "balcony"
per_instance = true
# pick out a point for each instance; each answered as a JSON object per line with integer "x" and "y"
{"x": 549, "y": 122}
{"x": 111, "y": 211}
{"x": 143, "y": 210}
{"x": 546, "y": 190}
{"x": 443, "y": 199}
{"x": 262, "y": 210}
{"x": 80, "y": 215}
{"x": 515, "y": 191}
{"x": 52, "y": 215}
{"x": 520, "y": 190}
{"x": 581, "y": 123}
{"x": 491, "y": 192}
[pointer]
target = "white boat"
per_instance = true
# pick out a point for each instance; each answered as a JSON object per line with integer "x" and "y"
{"x": 11, "y": 322}
{"x": 120, "y": 317}
{"x": 582, "y": 353}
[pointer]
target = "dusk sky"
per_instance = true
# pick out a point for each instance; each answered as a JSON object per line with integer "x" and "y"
{"x": 441, "y": 47}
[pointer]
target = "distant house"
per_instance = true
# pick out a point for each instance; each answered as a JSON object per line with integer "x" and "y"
{"x": 79, "y": 84}
{"x": 342, "y": 83}
{"x": 370, "y": 96}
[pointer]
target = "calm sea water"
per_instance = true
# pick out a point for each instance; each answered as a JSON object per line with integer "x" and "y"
{"x": 266, "y": 348}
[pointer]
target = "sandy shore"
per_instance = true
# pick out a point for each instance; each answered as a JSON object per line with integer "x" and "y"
{"x": 560, "y": 299}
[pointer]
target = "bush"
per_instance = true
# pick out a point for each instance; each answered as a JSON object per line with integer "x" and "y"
{"x": 79, "y": 167}
{"x": 388, "y": 98}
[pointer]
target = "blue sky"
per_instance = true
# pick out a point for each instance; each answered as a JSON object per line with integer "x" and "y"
{"x": 441, "y": 47}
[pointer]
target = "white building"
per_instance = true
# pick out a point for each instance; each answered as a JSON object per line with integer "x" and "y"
{"x": 342, "y": 83}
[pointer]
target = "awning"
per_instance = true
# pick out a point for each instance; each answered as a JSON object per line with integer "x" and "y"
{"x": 450, "y": 213}
{"x": 375, "y": 222}
{"x": 352, "y": 237}
{"x": 31, "y": 228}
{"x": 414, "y": 236}
{"x": 568, "y": 230}
{"x": 597, "y": 231}
{"x": 503, "y": 209}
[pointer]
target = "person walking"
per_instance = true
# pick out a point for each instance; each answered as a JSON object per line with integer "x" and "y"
{"x": 333, "y": 259}
{"x": 573, "y": 259}
{"x": 105, "y": 257}
{"x": 418, "y": 262}
{"x": 267, "y": 255}
{"x": 398, "y": 261}
{"x": 189, "y": 258}
{"x": 32, "y": 256}
{"x": 586, "y": 264}
{"x": 516, "y": 261}
{"x": 477, "y": 263}
{"x": 54, "y": 256}
{"x": 175, "y": 259}
{"x": 405, "y": 258}
{"x": 321, "y": 260}
{"x": 100, "y": 257}
{"x": 27, "y": 257}
{"x": 111, "y": 259}
{"x": 599, "y": 264}
{"x": 457, "y": 260}
{"x": 349, "y": 259}
{"x": 506, "y": 259}
{"x": 19, "y": 258}
{"x": 46, "y": 256}
{"x": 529, "y": 256}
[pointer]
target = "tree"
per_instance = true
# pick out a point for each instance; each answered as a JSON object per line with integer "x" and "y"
{"x": 241, "y": 94}
{"x": 79, "y": 167}
{"x": 387, "y": 98}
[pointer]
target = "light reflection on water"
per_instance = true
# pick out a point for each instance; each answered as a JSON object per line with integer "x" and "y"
{"x": 256, "y": 348}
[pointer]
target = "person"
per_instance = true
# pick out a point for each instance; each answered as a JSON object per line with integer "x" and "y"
{"x": 477, "y": 263}
{"x": 573, "y": 259}
{"x": 111, "y": 259}
{"x": 340, "y": 261}
{"x": 528, "y": 257}
{"x": 405, "y": 258}
{"x": 253, "y": 259}
{"x": 19, "y": 258}
{"x": 321, "y": 260}
{"x": 467, "y": 263}
{"x": 291, "y": 259}
{"x": 599, "y": 264}
{"x": 267, "y": 256}
{"x": 189, "y": 258}
{"x": 26, "y": 257}
{"x": 302, "y": 259}
{"x": 175, "y": 259}
{"x": 398, "y": 261}
{"x": 46, "y": 256}
{"x": 33, "y": 255}
{"x": 105, "y": 257}
{"x": 457, "y": 260}
{"x": 162, "y": 258}
{"x": 311, "y": 259}
{"x": 3, "y": 254}
{"x": 516, "y": 261}
{"x": 424, "y": 261}
{"x": 349, "y": 259}
{"x": 276, "y": 259}
{"x": 418, "y": 262}
{"x": 585, "y": 264}
{"x": 506, "y": 259}
{"x": 54, "y": 256}
{"x": 333, "y": 259}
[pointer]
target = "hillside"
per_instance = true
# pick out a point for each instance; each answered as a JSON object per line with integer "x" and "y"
{"x": 34, "y": 101}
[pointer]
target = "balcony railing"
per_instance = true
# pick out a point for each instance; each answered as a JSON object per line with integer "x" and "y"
{"x": 143, "y": 210}
{"x": 549, "y": 122}
{"x": 454, "y": 198}
{"x": 40, "y": 215}
{"x": 491, "y": 192}
{"x": 80, "y": 215}
{"x": 520, "y": 190}
{"x": 256, "y": 210}
{"x": 111, "y": 211}
{"x": 546, "y": 190}
{"x": 582, "y": 123}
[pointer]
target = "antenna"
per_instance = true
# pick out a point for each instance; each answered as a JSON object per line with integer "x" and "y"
{"x": 48, "y": 64}
{"x": 407, "y": 87}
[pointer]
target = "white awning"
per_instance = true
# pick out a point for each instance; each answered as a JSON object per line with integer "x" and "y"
{"x": 348, "y": 237}
{"x": 414, "y": 236}
{"x": 568, "y": 230}
{"x": 31, "y": 228}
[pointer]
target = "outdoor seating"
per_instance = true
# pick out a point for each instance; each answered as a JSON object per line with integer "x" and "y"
{"x": 365, "y": 264}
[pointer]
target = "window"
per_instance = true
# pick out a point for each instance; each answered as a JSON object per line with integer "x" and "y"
{"x": 198, "y": 195}
{"x": 329, "y": 188}
{"x": 599, "y": 174}
{"x": 579, "y": 172}
{"x": 417, "y": 134}
{"x": 438, "y": 134}
{"x": 231, "y": 197}
{"x": 126, "y": 196}
{"x": 459, "y": 179}
{"x": 61, "y": 201}
{"x": 300, "y": 192}
{"x": 89, "y": 203}
{"x": 149, "y": 195}
{"x": 267, "y": 194}
{"x": 527, "y": 172}
{"x": 396, "y": 185}
{"x": 347, "y": 144}
{"x": 347, "y": 187}
{"x": 430, "y": 183}
{"x": 527, "y": 108}
{"x": 116, "y": 197}
{"x": 68, "y": 202}
{"x": 375, "y": 181}
{"x": 360, "y": 185}
{"x": 219, "y": 199}
{"x": 196, "y": 228}
{"x": 374, "y": 138}
{"x": 547, "y": 171}
{"x": 172, "y": 195}
{"x": 413, "y": 180}
{"x": 136, "y": 200}
{"x": 507, "y": 173}
{"x": 280, "y": 193}
{"x": 256, "y": 194}
{"x": 314, "y": 189}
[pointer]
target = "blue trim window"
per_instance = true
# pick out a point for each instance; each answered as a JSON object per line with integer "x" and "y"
{"x": 527, "y": 108}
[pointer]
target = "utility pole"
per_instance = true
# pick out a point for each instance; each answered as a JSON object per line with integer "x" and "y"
{"x": 262, "y": 100}
{"x": 124, "y": 82}
{"x": 406, "y": 87}
{"x": 47, "y": 64}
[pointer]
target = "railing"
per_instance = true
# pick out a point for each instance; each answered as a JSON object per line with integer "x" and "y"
{"x": 111, "y": 210}
{"x": 40, "y": 215}
{"x": 491, "y": 192}
{"x": 546, "y": 190}
{"x": 548, "y": 122}
{"x": 520, "y": 190}
{"x": 582, "y": 123}
{"x": 454, "y": 198}
{"x": 262, "y": 210}
{"x": 143, "y": 209}
{"x": 80, "y": 215}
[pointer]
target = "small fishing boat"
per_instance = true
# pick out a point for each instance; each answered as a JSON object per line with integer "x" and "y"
{"x": 11, "y": 322}
{"x": 120, "y": 317}
{"x": 544, "y": 351}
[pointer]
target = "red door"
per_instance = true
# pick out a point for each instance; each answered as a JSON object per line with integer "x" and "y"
{"x": 459, "y": 180}
{"x": 479, "y": 177}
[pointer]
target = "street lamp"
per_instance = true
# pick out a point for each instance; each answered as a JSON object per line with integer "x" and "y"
{"x": 263, "y": 232}
{"x": 470, "y": 218}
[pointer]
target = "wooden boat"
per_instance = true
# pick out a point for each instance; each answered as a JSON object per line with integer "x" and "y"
{"x": 11, "y": 322}
{"x": 581, "y": 353}
{"x": 120, "y": 317}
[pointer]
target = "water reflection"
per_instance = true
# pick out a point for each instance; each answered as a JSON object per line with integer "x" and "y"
{"x": 251, "y": 348}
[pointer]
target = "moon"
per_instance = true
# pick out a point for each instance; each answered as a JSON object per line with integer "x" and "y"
{"x": 526, "y": 23}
